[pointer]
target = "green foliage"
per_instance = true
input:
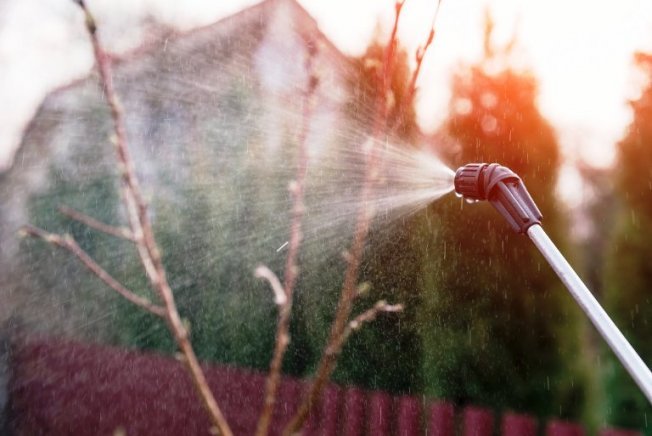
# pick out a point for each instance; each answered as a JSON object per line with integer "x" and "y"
{"x": 497, "y": 326}
{"x": 629, "y": 272}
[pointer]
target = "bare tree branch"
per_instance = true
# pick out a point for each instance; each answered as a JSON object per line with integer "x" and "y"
{"x": 385, "y": 99}
{"x": 349, "y": 290}
{"x": 336, "y": 339}
{"x": 68, "y": 243}
{"x": 291, "y": 268}
{"x": 418, "y": 57}
{"x": 142, "y": 232}
{"x": 118, "y": 232}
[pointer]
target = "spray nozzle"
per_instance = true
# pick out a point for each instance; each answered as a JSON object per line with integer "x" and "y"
{"x": 504, "y": 190}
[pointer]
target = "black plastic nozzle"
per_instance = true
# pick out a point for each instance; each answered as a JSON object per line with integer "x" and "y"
{"x": 504, "y": 190}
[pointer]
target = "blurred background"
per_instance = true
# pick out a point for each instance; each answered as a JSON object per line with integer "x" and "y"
{"x": 560, "y": 92}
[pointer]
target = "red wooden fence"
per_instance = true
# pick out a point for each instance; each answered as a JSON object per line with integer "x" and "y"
{"x": 63, "y": 388}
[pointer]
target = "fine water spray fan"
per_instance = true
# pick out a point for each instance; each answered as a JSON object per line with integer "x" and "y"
{"x": 508, "y": 195}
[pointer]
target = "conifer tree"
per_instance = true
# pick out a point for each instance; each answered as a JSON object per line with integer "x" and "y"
{"x": 497, "y": 326}
{"x": 629, "y": 271}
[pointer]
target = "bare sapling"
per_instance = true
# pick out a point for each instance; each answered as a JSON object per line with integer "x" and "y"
{"x": 342, "y": 326}
{"x": 139, "y": 232}
{"x": 284, "y": 293}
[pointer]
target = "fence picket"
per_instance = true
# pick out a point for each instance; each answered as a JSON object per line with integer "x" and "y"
{"x": 518, "y": 425}
{"x": 563, "y": 428}
{"x": 353, "y": 413}
{"x": 441, "y": 421}
{"x": 380, "y": 414}
{"x": 408, "y": 416}
{"x": 477, "y": 421}
{"x": 330, "y": 411}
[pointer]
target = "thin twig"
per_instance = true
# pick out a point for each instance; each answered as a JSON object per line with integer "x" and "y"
{"x": 370, "y": 315}
{"x": 118, "y": 232}
{"x": 143, "y": 234}
{"x": 385, "y": 98}
{"x": 418, "y": 57}
{"x": 263, "y": 272}
{"x": 336, "y": 338}
{"x": 348, "y": 293}
{"x": 67, "y": 242}
{"x": 291, "y": 268}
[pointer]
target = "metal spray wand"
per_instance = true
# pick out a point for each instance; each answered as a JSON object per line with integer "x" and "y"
{"x": 507, "y": 193}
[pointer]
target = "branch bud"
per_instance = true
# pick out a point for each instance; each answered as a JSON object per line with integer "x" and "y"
{"x": 364, "y": 288}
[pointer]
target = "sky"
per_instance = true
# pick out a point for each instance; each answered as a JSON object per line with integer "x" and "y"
{"x": 581, "y": 52}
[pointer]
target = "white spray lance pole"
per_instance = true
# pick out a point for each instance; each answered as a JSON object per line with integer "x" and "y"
{"x": 627, "y": 355}
{"x": 508, "y": 195}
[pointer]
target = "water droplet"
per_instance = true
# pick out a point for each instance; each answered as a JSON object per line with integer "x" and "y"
{"x": 458, "y": 195}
